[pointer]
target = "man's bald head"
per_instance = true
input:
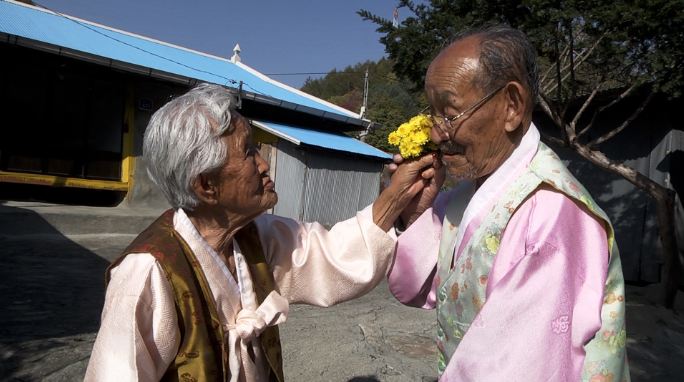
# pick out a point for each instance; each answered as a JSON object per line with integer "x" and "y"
{"x": 505, "y": 54}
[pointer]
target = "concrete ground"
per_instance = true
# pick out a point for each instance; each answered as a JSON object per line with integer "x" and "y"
{"x": 52, "y": 259}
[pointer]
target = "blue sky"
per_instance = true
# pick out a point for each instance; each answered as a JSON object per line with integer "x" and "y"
{"x": 276, "y": 36}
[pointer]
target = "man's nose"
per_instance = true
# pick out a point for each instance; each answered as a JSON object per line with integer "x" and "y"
{"x": 437, "y": 135}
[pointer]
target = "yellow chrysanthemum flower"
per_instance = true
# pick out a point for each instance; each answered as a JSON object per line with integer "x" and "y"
{"x": 393, "y": 138}
{"x": 411, "y": 137}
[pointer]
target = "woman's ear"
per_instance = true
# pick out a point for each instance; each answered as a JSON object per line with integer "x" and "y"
{"x": 515, "y": 105}
{"x": 205, "y": 189}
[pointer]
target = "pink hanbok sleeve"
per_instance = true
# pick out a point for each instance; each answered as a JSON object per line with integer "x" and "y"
{"x": 544, "y": 297}
{"x": 413, "y": 271}
{"x": 317, "y": 266}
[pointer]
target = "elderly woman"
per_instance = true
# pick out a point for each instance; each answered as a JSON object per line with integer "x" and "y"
{"x": 197, "y": 296}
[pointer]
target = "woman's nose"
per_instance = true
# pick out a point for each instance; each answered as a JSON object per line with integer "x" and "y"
{"x": 262, "y": 165}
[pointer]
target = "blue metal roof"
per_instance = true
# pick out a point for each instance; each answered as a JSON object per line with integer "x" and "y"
{"x": 44, "y": 26}
{"x": 326, "y": 140}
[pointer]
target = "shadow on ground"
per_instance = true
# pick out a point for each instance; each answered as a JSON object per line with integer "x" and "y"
{"x": 51, "y": 288}
{"x": 655, "y": 335}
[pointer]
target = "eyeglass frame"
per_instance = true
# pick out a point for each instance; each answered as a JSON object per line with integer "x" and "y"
{"x": 449, "y": 120}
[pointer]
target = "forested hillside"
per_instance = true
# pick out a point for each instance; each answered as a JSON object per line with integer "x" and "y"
{"x": 390, "y": 102}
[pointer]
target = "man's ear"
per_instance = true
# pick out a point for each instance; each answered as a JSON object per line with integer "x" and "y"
{"x": 515, "y": 105}
{"x": 205, "y": 189}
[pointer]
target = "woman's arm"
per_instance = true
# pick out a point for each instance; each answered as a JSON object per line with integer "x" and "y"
{"x": 138, "y": 337}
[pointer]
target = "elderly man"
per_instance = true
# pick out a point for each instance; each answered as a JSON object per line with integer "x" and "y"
{"x": 197, "y": 296}
{"x": 519, "y": 261}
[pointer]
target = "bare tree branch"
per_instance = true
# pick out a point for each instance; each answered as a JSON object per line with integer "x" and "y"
{"x": 586, "y": 104}
{"x": 564, "y": 67}
{"x": 602, "y": 108}
{"x": 559, "y": 77}
{"x": 580, "y": 59}
{"x": 556, "y": 141}
{"x": 626, "y": 123}
{"x": 571, "y": 56}
{"x": 632, "y": 175}
{"x": 544, "y": 103}
{"x": 548, "y": 71}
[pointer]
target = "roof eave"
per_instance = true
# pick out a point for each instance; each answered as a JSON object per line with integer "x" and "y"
{"x": 172, "y": 77}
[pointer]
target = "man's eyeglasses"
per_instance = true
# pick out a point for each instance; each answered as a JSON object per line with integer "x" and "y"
{"x": 443, "y": 122}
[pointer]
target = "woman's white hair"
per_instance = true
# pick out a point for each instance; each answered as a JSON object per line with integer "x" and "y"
{"x": 183, "y": 140}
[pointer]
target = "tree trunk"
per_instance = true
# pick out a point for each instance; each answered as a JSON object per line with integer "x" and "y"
{"x": 672, "y": 269}
{"x": 664, "y": 200}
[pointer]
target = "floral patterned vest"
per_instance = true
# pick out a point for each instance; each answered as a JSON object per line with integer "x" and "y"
{"x": 202, "y": 355}
{"x": 457, "y": 311}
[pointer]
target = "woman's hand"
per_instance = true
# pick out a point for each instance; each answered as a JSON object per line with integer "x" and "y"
{"x": 413, "y": 187}
{"x": 434, "y": 179}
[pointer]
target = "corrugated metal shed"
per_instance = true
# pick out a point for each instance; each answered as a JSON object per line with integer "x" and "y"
{"x": 325, "y": 188}
{"x": 42, "y": 29}
{"x": 333, "y": 193}
{"x": 289, "y": 177}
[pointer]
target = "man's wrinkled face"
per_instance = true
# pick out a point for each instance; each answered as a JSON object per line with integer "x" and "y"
{"x": 476, "y": 144}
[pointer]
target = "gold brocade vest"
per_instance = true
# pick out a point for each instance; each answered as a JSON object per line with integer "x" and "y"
{"x": 202, "y": 355}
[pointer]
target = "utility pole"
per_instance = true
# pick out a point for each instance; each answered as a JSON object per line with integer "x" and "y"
{"x": 362, "y": 113}
{"x": 365, "y": 95}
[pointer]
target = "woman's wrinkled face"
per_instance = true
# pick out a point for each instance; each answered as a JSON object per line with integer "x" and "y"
{"x": 244, "y": 185}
